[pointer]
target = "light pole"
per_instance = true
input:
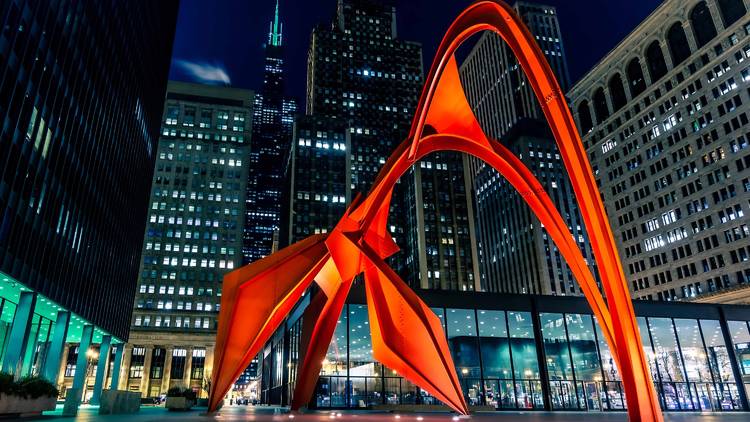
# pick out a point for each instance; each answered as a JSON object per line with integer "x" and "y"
{"x": 91, "y": 356}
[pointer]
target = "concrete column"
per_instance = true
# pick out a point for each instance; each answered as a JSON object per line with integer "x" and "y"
{"x": 127, "y": 353}
{"x": 715, "y": 16}
{"x": 186, "y": 377}
{"x": 664, "y": 45}
{"x": 61, "y": 367}
{"x": 82, "y": 361}
{"x": 608, "y": 98}
{"x": 165, "y": 376}
{"x": 117, "y": 367}
{"x": 19, "y": 333}
{"x": 692, "y": 43}
{"x": 146, "y": 375}
{"x": 643, "y": 61}
{"x": 101, "y": 368}
{"x": 51, "y": 366}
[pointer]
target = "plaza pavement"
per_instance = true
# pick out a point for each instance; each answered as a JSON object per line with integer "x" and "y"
{"x": 262, "y": 413}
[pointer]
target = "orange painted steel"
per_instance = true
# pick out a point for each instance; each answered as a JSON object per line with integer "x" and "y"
{"x": 407, "y": 337}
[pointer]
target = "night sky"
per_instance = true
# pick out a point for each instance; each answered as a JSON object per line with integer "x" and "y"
{"x": 220, "y": 41}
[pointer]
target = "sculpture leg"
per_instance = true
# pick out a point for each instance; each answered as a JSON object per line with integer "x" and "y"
{"x": 335, "y": 294}
{"x": 255, "y": 300}
{"x": 407, "y": 336}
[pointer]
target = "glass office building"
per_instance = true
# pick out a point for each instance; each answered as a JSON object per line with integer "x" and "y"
{"x": 79, "y": 115}
{"x": 525, "y": 352}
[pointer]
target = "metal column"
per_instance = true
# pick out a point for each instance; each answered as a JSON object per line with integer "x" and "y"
{"x": 51, "y": 366}
{"x": 82, "y": 361}
{"x": 101, "y": 368}
{"x": 19, "y": 333}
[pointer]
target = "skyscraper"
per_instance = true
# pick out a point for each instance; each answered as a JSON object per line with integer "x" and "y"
{"x": 495, "y": 84}
{"x": 664, "y": 119}
{"x": 77, "y": 148}
{"x": 365, "y": 80}
{"x": 193, "y": 236}
{"x": 516, "y": 256}
{"x": 272, "y": 135}
{"x": 365, "y": 83}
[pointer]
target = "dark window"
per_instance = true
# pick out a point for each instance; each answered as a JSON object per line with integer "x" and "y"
{"x": 657, "y": 67}
{"x": 617, "y": 92}
{"x": 178, "y": 364}
{"x": 731, "y": 11}
{"x": 703, "y": 24}
{"x": 601, "y": 111}
{"x": 635, "y": 77}
{"x": 158, "y": 356}
{"x": 678, "y": 44}
{"x": 584, "y": 116}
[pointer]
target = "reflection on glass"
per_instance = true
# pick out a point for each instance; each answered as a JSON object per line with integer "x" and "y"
{"x": 361, "y": 362}
{"x": 494, "y": 338}
{"x": 612, "y": 396}
{"x": 559, "y": 366}
{"x": 335, "y": 360}
{"x": 440, "y": 312}
{"x": 7, "y": 313}
{"x": 741, "y": 341}
{"x": 525, "y": 366}
{"x": 585, "y": 359}
{"x": 364, "y": 372}
{"x": 496, "y": 360}
{"x": 693, "y": 353}
{"x": 696, "y": 362}
{"x": 727, "y": 396}
{"x": 462, "y": 340}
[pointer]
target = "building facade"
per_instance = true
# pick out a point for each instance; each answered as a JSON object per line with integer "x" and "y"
{"x": 273, "y": 115}
{"x": 518, "y": 255}
{"x": 77, "y": 146}
{"x": 529, "y": 352}
{"x": 319, "y": 158}
{"x": 515, "y": 253}
{"x": 440, "y": 248}
{"x": 193, "y": 237}
{"x": 663, "y": 118}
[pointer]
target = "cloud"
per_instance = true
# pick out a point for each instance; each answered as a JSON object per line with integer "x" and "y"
{"x": 203, "y": 72}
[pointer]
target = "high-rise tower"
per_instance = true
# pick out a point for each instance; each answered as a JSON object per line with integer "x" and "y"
{"x": 193, "y": 236}
{"x": 272, "y": 132}
{"x": 363, "y": 86}
{"x": 515, "y": 253}
{"x": 80, "y": 108}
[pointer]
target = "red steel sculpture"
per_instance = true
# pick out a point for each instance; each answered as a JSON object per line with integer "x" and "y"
{"x": 406, "y": 335}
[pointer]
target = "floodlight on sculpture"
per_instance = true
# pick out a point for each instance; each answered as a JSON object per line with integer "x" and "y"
{"x": 257, "y": 297}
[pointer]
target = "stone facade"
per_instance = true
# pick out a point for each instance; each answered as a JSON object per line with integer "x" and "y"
{"x": 664, "y": 119}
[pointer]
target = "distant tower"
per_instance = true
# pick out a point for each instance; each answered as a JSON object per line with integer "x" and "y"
{"x": 272, "y": 131}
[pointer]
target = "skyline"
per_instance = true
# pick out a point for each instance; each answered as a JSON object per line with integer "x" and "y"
{"x": 205, "y": 55}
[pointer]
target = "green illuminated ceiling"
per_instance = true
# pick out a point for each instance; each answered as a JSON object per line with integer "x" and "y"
{"x": 11, "y": 289}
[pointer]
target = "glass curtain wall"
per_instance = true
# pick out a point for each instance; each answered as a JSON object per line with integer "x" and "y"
{"x": 740, "y": 333}
{"x": 498, "y": 364}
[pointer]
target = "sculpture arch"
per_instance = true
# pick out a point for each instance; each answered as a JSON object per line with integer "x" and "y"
{"x": 257, "y": 297}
